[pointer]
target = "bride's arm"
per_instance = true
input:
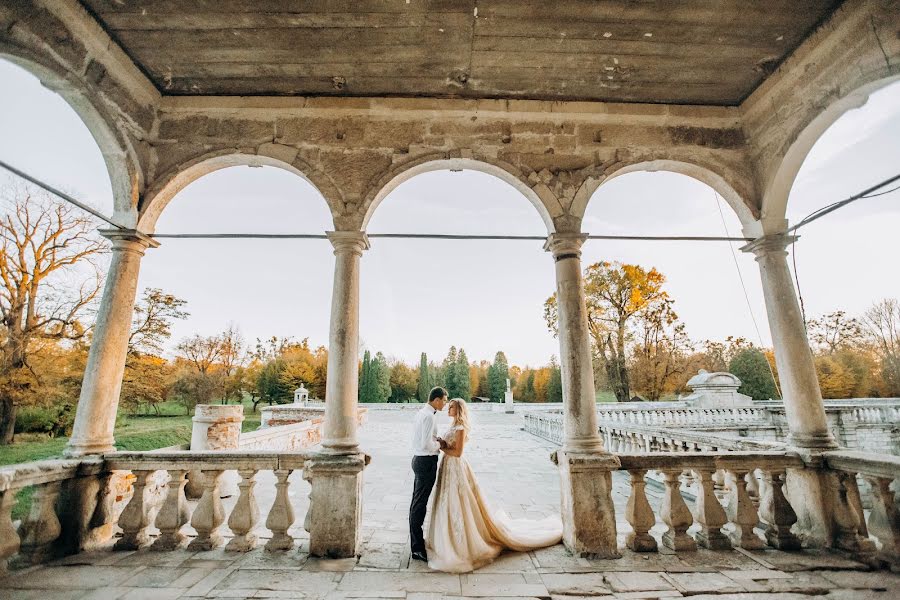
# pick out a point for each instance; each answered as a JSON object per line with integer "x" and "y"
{"x": 455, "y": 446}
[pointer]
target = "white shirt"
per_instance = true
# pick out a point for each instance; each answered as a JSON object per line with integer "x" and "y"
{"x": 424, "y": 436}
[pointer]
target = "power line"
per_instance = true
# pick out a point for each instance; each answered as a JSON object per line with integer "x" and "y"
{"x": 60, "y": 194}
{"x": 737, "y": 268}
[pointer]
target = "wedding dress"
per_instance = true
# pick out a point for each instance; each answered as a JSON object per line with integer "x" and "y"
{"x": 465, "y": 533}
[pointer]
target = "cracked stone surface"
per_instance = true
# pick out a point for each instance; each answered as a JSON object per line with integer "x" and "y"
{"x": 515, "y": 470}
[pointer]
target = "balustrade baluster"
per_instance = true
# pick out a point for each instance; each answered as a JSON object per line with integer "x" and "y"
{"x": 741, "y": 512}
{"x": 884, "y": 520}
{"x": 676, "y": 514}
{"x": 209, "y": 514}
{"x": 134, "y": 519}
{"x": 710, "y": 513}
{"x": 9, "y": 537}
{"x": 776, "y": 512}
{"x": 281, "y": 517}
{"x": 174, "y": 513}
{"x": 847, "y": 518}
{"x": 245, "y": 514}
{"x": 42, "y": 526}
{"x": 639, "y": 515}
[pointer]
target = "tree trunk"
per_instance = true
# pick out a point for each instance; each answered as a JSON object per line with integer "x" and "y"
{"x": 7, "y": 420}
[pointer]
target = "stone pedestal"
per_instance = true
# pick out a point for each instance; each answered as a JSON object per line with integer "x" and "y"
{"x": 215, "y": 427}
{"x": 716, "y": 390}
{"x": 509, "y": 407}
{"x": 334, "y": 519}
{"x": 588, "y": 514}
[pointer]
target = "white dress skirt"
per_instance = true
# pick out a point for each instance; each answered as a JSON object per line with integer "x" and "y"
{"x": 465, "y": 533}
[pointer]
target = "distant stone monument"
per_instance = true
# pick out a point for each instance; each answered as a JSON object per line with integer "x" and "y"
{"x": 716, "y": 390}
{"x": 301, "y": 395}
{"x": 509, "y": 399}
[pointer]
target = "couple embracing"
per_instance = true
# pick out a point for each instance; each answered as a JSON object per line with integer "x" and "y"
{"x": 464, "y": 532}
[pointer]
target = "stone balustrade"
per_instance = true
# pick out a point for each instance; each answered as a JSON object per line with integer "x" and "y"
{"x": 881, "y": 473}
{"x": 208, "y": 516}
{"x": 752, "y": 493}
{"x": 71, "y": 500}
{"x": 868, "y": 424}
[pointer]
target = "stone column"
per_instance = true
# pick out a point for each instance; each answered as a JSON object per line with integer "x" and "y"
{"x": 341, "y": 393}
{"x": 803, "y": 404}
{"x": 585, "y": 468}
{"x": 95, "y": 417}
{"x": 810, "y": 489}
{"x": 334, "y": 518}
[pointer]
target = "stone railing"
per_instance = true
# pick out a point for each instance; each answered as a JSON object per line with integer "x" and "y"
{"x": 283, "y": 437}
{"x": 752, "y": 493}
{"x": 740, "y": 415}
{"x": 208, "y": 517}
{"x": 638, "y": 438}
{"x": 71, "y": 499}
{"x": 880, "y": 472}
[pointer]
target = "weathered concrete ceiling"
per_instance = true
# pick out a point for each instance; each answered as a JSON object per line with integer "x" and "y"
{"x": 713, "y": 52}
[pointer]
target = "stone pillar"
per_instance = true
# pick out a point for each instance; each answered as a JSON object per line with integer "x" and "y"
{"x": 809, "y": 489}
{"x": 803, "y": 404}
{"x": 585, "y": 468}
{"x": 95, "y": 417}
{"x": 576, "y": 365}
{"x": 341, "y": 393}
{"x": 334, "y": 517}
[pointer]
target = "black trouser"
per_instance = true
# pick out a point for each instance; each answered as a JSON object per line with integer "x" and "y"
{"x": 425, "y": 469}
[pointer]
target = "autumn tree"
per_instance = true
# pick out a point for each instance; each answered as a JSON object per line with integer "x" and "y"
{"x": 615, "y": 293}
{"x": 661, "y": 350}
{"x": 49, "y": 278}
{"x": 836, "y": 331}
{"x": 882, "y": 323}
{"x": 403, "y": 382}
{"x": 154, "y": 315}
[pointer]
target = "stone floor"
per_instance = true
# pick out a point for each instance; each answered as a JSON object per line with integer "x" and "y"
{"x": 514, "y": 468}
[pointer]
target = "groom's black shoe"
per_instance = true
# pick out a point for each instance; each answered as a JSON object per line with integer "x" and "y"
{"x": 420, "y": 556}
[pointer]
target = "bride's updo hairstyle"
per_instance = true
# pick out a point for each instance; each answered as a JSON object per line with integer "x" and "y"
{"x": 462, "y": 415}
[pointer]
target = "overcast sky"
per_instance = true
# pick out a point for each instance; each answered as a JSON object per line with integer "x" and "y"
{"x": 484, "y": 296}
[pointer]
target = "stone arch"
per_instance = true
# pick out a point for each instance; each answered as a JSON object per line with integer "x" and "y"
{"x": 168, "y": 185}
{"x": 539, "y": 195}
{"x": 722, "y": 185}
{"x": 779, "y": 185}
{"x": 122, "y": 163}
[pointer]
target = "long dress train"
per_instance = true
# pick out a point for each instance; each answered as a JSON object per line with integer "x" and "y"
{"x": 465, "y": 533}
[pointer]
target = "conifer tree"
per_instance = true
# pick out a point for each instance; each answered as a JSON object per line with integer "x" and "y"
{"x": 365, "y": 376}
{"x": 463, "y": 385}
{"x": 424, "y": 386}
{"x": 554, "y": 386}
{"x": 447, "y": 376}
{"x": 380, "y": 379}
{"x": 497, "y": 376}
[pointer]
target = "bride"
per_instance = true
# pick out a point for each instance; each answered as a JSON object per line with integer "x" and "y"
{"x": 465, "y": 533}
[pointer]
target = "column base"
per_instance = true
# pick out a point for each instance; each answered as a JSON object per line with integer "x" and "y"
{"x": 815, "y": 441}
{"x": 588, "y": 515}
{"x": 78, "y": 448}
{"x": 334, "y": 520}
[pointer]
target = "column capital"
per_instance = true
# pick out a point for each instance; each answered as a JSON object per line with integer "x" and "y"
{"x": 128, "y": 239}
{"x": 565, "y": 245}
{"x": 355, "y": 242}
{"x": 769, "y": 244}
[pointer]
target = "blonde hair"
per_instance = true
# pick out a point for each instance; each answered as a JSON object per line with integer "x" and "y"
{"x": 462, "y": 416}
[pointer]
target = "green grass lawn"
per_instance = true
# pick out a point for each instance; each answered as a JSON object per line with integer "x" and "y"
{"x": 134, "y": 432}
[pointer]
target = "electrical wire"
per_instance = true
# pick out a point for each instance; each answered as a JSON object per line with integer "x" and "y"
{"x": 60, "y": 194}
{"x": 737, "y": 268}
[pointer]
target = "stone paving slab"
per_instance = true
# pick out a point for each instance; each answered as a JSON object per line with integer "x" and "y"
{"x": 515, "y": 471}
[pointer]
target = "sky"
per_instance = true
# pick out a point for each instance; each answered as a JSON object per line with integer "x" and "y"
{"x": 425, "y": 295}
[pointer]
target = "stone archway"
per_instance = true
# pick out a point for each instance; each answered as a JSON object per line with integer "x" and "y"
{"x": 122, "y": 165}
{"x": 539, "y": 195}
{"x": 170, "y": 184}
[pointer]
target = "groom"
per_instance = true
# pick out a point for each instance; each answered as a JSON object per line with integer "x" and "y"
{"x": 425, "y": 447}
